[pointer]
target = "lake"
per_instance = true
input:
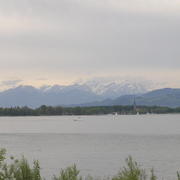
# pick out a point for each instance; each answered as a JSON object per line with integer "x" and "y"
{"x": 97, "y": 144}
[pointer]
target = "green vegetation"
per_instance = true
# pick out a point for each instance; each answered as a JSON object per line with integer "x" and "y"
{"x": 98, "y": 110}
{"x": 20, "y": 169}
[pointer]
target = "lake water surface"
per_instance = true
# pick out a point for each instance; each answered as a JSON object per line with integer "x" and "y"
{"x": 97, "y": 144}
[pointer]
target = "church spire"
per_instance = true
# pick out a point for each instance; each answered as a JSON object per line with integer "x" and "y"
{"x": 134, "y": 105}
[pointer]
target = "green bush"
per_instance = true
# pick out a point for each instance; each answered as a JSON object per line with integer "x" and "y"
{"x": 70, "y": 173}
{"x": 20, "y": 169}
{"x": 133, "y": 171}
{"x": 178, "y": 175}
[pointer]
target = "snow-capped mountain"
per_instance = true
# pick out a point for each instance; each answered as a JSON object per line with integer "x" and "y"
{"x": 60, "y": 88}
{"x": 53, "y": 95}
{"x": 112, "y": 88}
{"x": 167, "y": 97}
{"x": 78, "y": 93}
{"x": 106, "y": 87}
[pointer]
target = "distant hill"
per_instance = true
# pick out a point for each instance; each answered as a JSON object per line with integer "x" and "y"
{"x": 83, "y": 95}
{"x": 34, "y": 97}
{"x": 161, "y": 97}
{"x": 78, "y": 93}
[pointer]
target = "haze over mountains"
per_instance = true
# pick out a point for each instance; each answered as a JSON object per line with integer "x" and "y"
{"x": 91, "y": 93}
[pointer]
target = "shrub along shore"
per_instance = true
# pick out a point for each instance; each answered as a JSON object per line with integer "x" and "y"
{"x": 95, "y": 110}
{"x": 20, "y": 169}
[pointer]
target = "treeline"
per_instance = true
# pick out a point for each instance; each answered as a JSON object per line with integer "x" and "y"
{"x": 98, "y": 110}
{"x": 20, "y": 169}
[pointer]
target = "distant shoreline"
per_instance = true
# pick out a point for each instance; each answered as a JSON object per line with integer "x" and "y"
{"x": 93, "y": 110}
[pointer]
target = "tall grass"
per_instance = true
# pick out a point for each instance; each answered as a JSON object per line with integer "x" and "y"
{"x": 20, "y": 169}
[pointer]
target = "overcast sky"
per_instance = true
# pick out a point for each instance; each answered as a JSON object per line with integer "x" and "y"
{"x": 61, "y": 41}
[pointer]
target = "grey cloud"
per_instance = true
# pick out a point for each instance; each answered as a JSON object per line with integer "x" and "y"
{"x": 86, "y": 36}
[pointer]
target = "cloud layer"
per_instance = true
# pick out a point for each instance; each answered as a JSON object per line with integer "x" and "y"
{"x": 70, "y": 39}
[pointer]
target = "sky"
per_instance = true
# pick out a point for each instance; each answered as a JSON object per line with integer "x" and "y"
{"x": 62, "y": 41}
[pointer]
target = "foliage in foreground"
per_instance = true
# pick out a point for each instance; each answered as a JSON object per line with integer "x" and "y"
{"x": 20, "y": 169}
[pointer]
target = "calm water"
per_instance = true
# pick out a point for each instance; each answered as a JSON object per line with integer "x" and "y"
{"x": 97, "y": 144}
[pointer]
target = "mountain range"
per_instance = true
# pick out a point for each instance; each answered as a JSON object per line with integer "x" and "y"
{"x": 161, "y": 97}
{"x": 90, "y": 93}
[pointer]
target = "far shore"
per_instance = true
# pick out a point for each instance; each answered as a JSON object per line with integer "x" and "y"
{"x": 93, "y": 110}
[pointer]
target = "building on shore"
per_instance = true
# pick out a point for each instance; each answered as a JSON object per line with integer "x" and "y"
{"x": 135, "y": 109}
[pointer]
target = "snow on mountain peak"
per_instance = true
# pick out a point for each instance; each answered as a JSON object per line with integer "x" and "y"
{"x": 107, "y": 87}
{"x": 115, "y": 87}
